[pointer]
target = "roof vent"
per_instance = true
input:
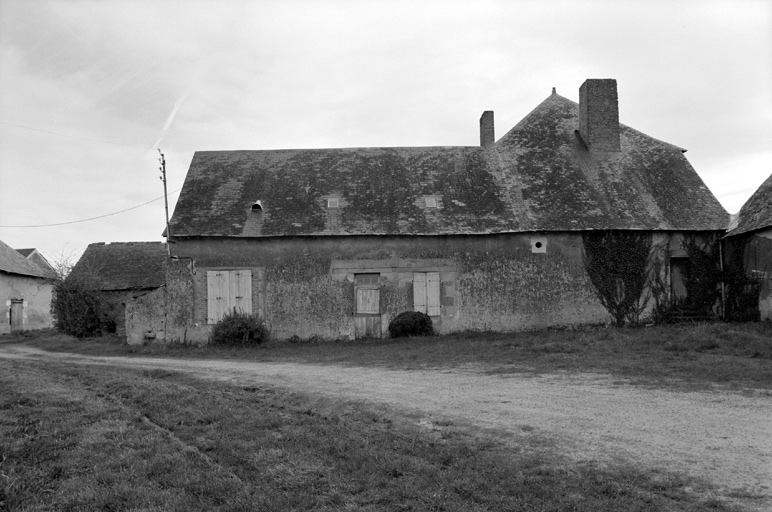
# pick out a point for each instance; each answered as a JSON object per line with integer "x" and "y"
{"x": 257, "y": 206}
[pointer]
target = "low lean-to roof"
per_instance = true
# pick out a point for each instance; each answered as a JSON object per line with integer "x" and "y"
{"x": 537, "y": 177}
{"x": 756, "y": 213}
{"x": 14, "y": 263}
{"x": 123, "y": 265}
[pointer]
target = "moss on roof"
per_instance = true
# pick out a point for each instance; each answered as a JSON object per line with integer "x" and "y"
{"x": 124, "y": 265}
{"x": 13, "y": 262}
{"x": 537, "y": 177}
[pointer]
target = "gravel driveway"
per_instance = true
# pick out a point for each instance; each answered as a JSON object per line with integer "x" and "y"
{"x": 723, "y": 437}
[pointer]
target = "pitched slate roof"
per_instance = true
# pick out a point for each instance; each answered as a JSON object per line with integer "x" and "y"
{"x": 38, "y": 259}
{"x": 537, "y": 177}
{"x": 124, "y": 265}
{"x": 756, "y": 213}
{"x": 14, "y": 263}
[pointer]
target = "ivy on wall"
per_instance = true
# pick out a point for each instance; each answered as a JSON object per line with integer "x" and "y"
{"x": 703, "y": 282}
{"x": 742, "y": 294}
{"x": 616, "y": 262}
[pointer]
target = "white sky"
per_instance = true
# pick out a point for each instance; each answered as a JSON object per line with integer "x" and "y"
{"x": 88, "y": 89}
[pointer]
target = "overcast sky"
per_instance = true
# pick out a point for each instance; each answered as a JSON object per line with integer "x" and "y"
{"x": 89, "y": 89}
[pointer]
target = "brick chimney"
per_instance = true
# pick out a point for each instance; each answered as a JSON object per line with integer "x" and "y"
{"x": 487, "y": 134}
{"x": 599, "y": 114}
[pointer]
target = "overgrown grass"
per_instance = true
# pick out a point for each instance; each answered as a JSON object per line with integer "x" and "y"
{"x": 85, "y": 438}
{"x": 692, "y": 354}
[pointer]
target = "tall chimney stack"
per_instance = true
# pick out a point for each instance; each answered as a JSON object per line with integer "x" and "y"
{"x": 599, "y": 115}
{"x": 487, "y": 134}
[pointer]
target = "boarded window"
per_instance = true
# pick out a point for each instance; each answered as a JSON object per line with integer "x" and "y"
{"x": 368, "y": 294}
{"x": 426, "y": 293}
{"x": 227, "y": 291}
{"x": 368, "y": 300}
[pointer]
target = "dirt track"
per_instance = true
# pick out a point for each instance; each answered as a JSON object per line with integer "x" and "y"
{"x": 722, "y": 437}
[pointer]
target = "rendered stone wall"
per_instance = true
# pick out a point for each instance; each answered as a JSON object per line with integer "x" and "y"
{"x": 36, "y": 294}
{"x": 165, "y": 315}
{"x": 492, "y": 282}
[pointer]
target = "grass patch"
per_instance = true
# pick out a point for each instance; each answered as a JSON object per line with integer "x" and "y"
{"x": 734, "y": 354}
{"x": 86, "y": 438}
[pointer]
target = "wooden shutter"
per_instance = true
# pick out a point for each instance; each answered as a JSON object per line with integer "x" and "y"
{"x": 216, "y": 295}
{"x": 368, "y": 301}
{"x": 419, "y": 292}
{"x": 433, "y": 293}
{"x": 241, "y": 291}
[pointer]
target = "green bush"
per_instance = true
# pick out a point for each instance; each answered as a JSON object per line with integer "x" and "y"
{"x": 411, "y": 323}
{"x": 238, "y": 328}
{"x": 77, "y": 307}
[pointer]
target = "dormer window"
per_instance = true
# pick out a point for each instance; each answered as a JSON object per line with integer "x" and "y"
{"x": 431, "y": 201}
{"x": 332, "y": 202}
{"x": 257, "y": 206}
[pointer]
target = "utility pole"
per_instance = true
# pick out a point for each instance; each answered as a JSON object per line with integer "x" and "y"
{"x": 166, "y": 203}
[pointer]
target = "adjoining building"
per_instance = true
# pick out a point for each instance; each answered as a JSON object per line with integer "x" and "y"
{"x": 749, "y": 251}
{"x": 25, "y": 293}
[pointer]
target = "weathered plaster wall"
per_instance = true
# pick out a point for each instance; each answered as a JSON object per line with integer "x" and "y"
{"x": 36, "y": 294}
{"x": 494, "y": 282}
{"x": 166, "y": 314}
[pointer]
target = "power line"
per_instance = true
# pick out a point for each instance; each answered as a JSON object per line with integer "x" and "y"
{"x": 73, "y": 136}
{"x": 92, "y": 218}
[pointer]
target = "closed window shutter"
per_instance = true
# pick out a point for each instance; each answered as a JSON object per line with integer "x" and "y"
{"x": 216, "y": 300}
{"x": 433, "y": 293}
{"x": 241, "y": 291}
{"x": 419, "y": 292}
{"x": 368, "y": 301}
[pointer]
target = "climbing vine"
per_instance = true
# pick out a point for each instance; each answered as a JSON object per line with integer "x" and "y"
{"x": 616, "y": 262}
{"x": 704, "y": 279}
{"x": 742, "y": 295}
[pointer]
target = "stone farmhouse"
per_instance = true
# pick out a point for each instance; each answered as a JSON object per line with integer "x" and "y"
{"x": 25, "y": 293}
{"x": 335, "y": 243}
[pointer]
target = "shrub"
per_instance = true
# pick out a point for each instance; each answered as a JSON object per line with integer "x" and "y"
{"x": 411, "y": 323}
{"x": 77, "y": 307}
{"x": 239, "y": 328}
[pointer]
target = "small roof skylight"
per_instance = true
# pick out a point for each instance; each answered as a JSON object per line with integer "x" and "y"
{"x": 431, "y": 201}
{"x": 332, "y": 202}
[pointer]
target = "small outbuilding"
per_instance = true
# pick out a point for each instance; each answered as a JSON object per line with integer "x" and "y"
{"x": 122, "y": 271}
{"x": 25, "y": 293}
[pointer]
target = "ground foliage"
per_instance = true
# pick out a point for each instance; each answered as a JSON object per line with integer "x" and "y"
{"x": 616, "y": 262}
{"x": 238, "y": 328}
{"x": 411, "y": 323}
{"x": 78, "y": 306}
